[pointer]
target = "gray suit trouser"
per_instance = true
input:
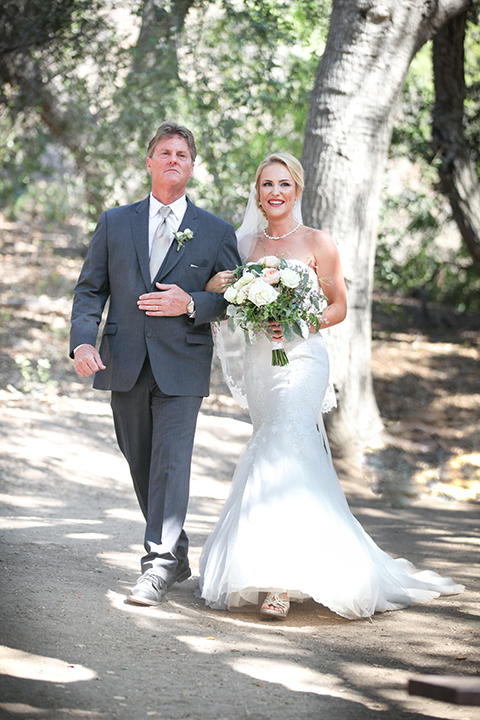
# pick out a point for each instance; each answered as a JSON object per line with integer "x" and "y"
{"x": 155, "y": 432}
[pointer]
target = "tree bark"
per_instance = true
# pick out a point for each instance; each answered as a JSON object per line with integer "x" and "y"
{"x": 156, "y": 47}
{"x": 458, "y": 178}
{"x": 369, "y": 48}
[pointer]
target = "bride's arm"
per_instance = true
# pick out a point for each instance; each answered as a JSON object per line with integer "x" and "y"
{"x": 219, "y": 282}
{"x": 331, "y": 281}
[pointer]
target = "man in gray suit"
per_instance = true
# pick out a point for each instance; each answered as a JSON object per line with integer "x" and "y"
{"x": 152, "y": 259}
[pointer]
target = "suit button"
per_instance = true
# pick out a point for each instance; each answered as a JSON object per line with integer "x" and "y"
{"x": 149, "y": 333}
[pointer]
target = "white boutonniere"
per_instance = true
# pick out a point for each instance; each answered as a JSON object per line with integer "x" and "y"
{"x": 183, "y": 237}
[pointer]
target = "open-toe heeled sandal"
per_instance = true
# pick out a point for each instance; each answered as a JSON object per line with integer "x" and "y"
{"x": 275, "y": 606}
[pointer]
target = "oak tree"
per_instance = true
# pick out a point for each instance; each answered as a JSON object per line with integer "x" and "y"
{"x": 369, "y": 48}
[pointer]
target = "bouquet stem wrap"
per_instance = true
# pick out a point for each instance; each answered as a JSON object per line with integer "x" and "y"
{"x": 279, "y": 356}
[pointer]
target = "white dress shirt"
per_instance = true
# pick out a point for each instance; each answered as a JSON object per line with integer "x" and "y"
{"x": 178, "y": 208}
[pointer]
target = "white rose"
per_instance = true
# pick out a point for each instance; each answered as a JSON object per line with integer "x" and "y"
{"x": 244, "y": 280}
{"x": 269, "y": 261}
{"x": 230, "y": 294}
{"x": 261, "y": 293}
{"x": 289, "y": 278}
{"x": 242, "y": 293}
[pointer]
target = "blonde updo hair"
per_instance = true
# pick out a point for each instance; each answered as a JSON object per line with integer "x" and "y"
{"x": 290, "y": 162}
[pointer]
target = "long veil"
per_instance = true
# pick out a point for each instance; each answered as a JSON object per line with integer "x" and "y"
{"x": 230, "y": 347}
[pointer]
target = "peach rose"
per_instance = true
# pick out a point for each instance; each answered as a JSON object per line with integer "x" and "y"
{"x": 271, "y": 276}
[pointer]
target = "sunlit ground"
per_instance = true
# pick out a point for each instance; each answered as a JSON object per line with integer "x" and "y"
{"x": 72, "y": 646}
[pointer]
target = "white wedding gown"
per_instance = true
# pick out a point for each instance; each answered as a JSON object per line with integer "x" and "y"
{"x": 286, "y": 524}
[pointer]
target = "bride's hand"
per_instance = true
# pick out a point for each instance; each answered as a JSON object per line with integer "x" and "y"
{"x": 276, "y": 332}
{"x": 219, "y": 282}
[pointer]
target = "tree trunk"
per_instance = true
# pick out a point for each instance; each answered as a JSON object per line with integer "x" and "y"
{"x": 458, "y": 178}
{"x": 369, "y": 48}
{"x": 156, "y": 47}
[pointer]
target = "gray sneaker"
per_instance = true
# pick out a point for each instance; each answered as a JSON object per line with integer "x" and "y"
{"x": 150, "y": 589}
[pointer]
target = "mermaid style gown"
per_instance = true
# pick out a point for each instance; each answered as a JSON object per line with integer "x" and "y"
{"x": 286, "y": 524}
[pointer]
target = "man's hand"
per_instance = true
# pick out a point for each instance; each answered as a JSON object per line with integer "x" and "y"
{"x": 170, "y": 302}
{"x": 87, "y": 361}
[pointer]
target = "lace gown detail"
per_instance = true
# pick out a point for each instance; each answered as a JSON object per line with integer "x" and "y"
{"x": 286, "y": 524}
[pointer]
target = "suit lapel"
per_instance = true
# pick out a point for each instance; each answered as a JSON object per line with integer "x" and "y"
{"x": 174, "y": 256}
{"x": 140, "y": 239}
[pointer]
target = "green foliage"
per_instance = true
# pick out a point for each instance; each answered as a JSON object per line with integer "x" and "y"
{"x": 247, "y": 86}
{"x": 36, "y": 378}
{"x": 472, "y": 98}
{"x": 55, "y": 98}
{"x": 37, "y": 178}
{"x": 82, "y": 95}
{"x": 38, "y": 24}
{"x": 411, "y": 259}
{"x": 412, "y": 133}
{"x": 413, "y": 255}
{"x": 238, "y": 73}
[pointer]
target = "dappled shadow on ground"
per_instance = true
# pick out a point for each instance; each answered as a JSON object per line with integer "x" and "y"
{"x": 195, "y": 660}
{"x": 429, "y": 397}
{"x": 395, "y": 313}
{"x": 71, "y": 538}
{"x": 231, "y": 665}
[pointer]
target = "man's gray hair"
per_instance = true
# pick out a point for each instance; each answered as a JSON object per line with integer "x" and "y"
{"x": 170, "y": 128}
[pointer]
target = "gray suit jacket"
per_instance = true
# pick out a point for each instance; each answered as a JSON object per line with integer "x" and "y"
{"x": 117, "y": 267}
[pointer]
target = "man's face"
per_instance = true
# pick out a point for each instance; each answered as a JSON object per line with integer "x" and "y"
{"x": 170, "y": 166}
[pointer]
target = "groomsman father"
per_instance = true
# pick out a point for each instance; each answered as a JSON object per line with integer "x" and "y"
{"x": 153, "y": 259}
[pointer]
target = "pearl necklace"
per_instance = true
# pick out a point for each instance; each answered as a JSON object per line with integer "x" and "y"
{"x": 280, "y": 237}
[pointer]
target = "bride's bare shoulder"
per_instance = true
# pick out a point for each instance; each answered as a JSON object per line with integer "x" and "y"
{"x": 319, "y": 239}
{"x": 316, "y": 233}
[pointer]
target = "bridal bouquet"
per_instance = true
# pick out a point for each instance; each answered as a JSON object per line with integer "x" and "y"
{"x": 276, "y": 290}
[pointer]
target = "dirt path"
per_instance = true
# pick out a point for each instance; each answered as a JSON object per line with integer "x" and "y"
{"x": 71, "y": 538}
{"x": 71, "y": 534}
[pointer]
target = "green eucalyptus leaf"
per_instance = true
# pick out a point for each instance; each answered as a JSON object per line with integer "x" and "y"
{"x": 287, "y": 331}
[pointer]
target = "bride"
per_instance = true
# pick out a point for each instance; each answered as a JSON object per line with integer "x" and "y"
{"x": 286, "y": 532}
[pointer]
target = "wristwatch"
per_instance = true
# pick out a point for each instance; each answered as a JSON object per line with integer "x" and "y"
{"x": 191, "y": 308}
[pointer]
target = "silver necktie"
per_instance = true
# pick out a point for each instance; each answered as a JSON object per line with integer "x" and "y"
{"x": 161, "y": 242}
